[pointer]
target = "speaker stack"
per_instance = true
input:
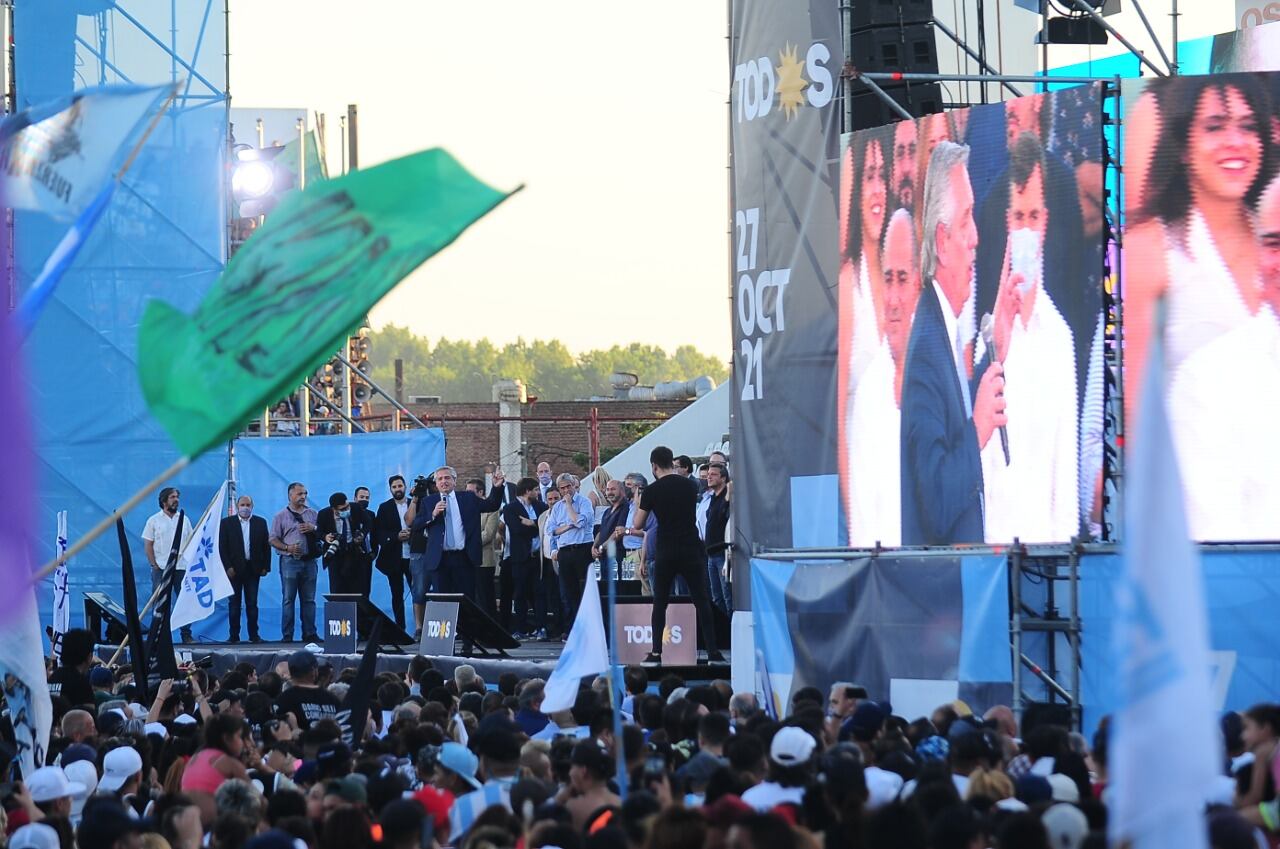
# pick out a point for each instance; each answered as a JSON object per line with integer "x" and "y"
{"x": 888, "y": 36}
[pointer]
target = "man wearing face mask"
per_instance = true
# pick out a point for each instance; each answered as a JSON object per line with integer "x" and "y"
{"x": 545, "y": 481}
{"x": 1034, "y": 496}
{"x": 243, "y": 544}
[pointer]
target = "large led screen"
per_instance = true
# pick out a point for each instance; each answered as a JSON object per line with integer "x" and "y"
{"x": 969, "y": 362}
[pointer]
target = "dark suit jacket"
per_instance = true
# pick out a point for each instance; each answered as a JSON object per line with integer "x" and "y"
{"x": 941, "y": 468}
{"x": 231, "y": 546}
{"x": 357, "y": 553}
{"x": 522, "y": 536}
{"x": 470, "y": 506}
{"x": 386, "y": 530}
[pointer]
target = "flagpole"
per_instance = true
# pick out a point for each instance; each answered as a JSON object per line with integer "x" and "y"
{"x": 615, "y": 671}
{"x": 118, "y": 513}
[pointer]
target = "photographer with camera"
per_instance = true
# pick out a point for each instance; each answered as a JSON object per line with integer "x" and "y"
{"x": 293, "y": 534}
{"x": 451, "y": 521}
{"x": 345, "y": 532}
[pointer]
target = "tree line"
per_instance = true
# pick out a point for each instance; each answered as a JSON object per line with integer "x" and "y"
{"x": 460, "y": 370}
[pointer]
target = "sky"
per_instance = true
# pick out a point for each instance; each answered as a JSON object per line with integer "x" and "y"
{"x": 612, "y": 116}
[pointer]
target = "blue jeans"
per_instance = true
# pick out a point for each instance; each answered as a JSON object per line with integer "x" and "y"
{"x": 719, "y": 589}
{"x": 419, "y": 580}
{"x": 297, "y": 578}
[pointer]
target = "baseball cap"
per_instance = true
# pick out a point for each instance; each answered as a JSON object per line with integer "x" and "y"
{"x": 437, "y": 802}
{"x": 791, "y": 746}
{"x": 458, "y": 759}
{"x": 100, "y": 676}
{"x": 1031, "y": 789}
{"x": 1067, "y": 826}
{"x": 865, "y": 722}
{"x": 87, "y": 774}
{"x": 118, "y": 767}
{"x": 104, "y": 822}
{"x": 35, "y": 835}
{"x": 78, "y": 752}
{"x": 302, "y": 662}
{"x": 350, "y": 789}
{"x": 333, "y": 753}
{"x": 50, "y": 782}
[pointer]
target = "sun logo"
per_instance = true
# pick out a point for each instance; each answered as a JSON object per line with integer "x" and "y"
{"x": 791, "y": 81}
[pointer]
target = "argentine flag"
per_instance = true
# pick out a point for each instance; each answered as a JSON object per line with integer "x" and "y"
{"x": 585, "y": 653}
{"x": 205, "y": 581}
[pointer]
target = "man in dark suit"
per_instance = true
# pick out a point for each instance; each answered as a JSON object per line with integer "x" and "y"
{"x": 947, "y": 418}
{"x": 391, "y": 538}
{"x": 523, "y": 560}
{"x": 360, "y": 504}
{"x": 345, "y": 536}
{"x": 451, "y": 519}
{"x": 243, "y": 544}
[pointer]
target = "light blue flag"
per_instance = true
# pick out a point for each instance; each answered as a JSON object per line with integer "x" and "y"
{"x": 204, "y": 579}
{"x": 64, "y": 159}
{"x": 1165, "y": 745}
{"x": 585, "y": 653}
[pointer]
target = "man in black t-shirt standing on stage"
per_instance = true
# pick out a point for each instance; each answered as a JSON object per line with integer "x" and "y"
{"x": 673, "y": 499}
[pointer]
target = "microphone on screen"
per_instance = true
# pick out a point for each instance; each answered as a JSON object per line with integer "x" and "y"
{"x": 987, "y": 330}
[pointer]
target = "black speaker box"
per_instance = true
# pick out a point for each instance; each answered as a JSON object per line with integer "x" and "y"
{"x": 873, "y": 13}
{"x": 909, "y": 49}
{"x": 917, "y": 98}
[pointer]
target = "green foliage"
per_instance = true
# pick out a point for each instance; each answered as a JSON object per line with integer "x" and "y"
{"x": 461, "y": 370}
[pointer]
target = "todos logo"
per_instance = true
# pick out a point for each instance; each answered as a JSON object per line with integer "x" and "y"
{"x": 760, "y": 85}
{"x": 438, "y": 629}
{"x": 339, "y": 627}
{"x": 643, "y": 635}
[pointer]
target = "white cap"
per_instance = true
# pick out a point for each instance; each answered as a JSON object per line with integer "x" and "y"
{"x": 792, "y": 746}
{"x": 50, "y": 782}
{"x": 137, "y": 711}
{"x": 1067, "y": 826}
{"x": 184, "y": 719}
{"x": 83, "y": 772}
{"x": 155, "y": 728}
{"x": 1064, "y": 789}
{"x": 118, "y": 767}
{"x": 35, "y": 835}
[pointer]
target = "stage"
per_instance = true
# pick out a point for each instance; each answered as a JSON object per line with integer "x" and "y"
{"x": 530, "y": 660}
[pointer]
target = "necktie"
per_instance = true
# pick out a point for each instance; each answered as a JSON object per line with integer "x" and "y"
{"x": 450, "y": 541}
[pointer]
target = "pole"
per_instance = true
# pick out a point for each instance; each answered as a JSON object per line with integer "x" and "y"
{"x": 266, "y": 422}
{"x": 97, "y": 530}
{"x": 1137, "y": 6}
{"x": 353, "y": 135}
{"x": 346, "y": 400}
{"x": 615, "y": 672}
{"x": 1174, "y": 66}
{"x": 261, "y": 141}
{"x": 300, "y": 124}
{"x": 895, "y": 106}
{"x": 1106, "y": 25}
{"x": 973, "y": 78}
{"x": 986, "y": 66}
{"x": 350, "y": 422}
{"x": 342, "y": 131}
{"x": 305, "y": 397}
{"x": 594, "y": 436}
{"x": 399, "y": 364}
{"x": 376, "y": 388}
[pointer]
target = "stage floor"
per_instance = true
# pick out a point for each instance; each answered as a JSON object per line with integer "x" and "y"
{"x": 531, "y": 659}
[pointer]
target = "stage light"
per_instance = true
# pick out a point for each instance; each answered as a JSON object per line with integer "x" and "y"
{"x": 252, "y": 179}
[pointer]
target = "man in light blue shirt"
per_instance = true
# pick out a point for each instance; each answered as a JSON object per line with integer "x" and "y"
{"x": 571, "y": 528}
{"x": 633, "y": 542}
{"x": 499, "y": 748}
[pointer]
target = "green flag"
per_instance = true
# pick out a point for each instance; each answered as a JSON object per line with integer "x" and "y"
{"x": 298, "y": 287}
{"x": 288, "y": 159}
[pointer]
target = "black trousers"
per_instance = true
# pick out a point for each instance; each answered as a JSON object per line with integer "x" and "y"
{"x": 246, "y": 586}
{"x": 484, "y": 590}
{"x": 692, "y": 566}
{"x": 506, "y": 596}
{"x": 575, "y": 562}
{"x": 397, "y": 581}
{"x": 526, "y": 580}
{"x": 348, "y": 576}
{"x": 554, "y": 621}
{"x": 457, "y": 574}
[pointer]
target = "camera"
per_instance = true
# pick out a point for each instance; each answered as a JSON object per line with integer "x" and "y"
{"x": 330, "y": 549}
{"x": 422, "y": 486}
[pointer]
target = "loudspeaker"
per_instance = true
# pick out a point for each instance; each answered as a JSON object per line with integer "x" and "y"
{"x": 1076, "y": 30}
{"x": 1037, "y": 714}
{"x": 917, "y": 98}
{"x": 100, "y": 608}
{"x": 874, "y": 13}
{"x": 391, "y": 637}
{"x": 909, "y": 49}
{"x": 477, "y": 628}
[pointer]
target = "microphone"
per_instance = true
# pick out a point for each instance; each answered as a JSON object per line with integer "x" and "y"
{"x": 987, "y": 330}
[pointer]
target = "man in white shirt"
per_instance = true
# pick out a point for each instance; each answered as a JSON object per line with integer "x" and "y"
{"x": 1035, "y": 496}
{"x": 874, "y": 501}
{"x": 157, "y": 537}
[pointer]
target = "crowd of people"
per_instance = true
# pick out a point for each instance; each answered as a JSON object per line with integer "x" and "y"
{"x": 522, "y": 552}
{"x": 263, "y": 760}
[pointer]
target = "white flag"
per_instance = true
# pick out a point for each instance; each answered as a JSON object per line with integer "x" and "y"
{"x": 56, "y": 157}
{"x": 585, "y": 653}
{"x": 61, "y": 596}
{"x": 205, "y": 581}
{"x": 1165, "y": 744}
{"x": 23, "y": 683}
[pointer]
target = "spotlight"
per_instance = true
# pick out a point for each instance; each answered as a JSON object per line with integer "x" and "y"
{"x": 252, "y": 179}
{"x": 258, "y": 181}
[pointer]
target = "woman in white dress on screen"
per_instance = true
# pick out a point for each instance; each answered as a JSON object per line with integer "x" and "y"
{"x": 1190, "y": 204}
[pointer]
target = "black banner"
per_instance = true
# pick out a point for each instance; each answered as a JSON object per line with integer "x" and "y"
{"x": 137, "y": 649}
{"x": 787, "y": 58}
{"x": 160, "y": 660}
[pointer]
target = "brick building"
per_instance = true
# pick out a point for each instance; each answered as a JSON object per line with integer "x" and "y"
{"x": 564, "y": 442}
